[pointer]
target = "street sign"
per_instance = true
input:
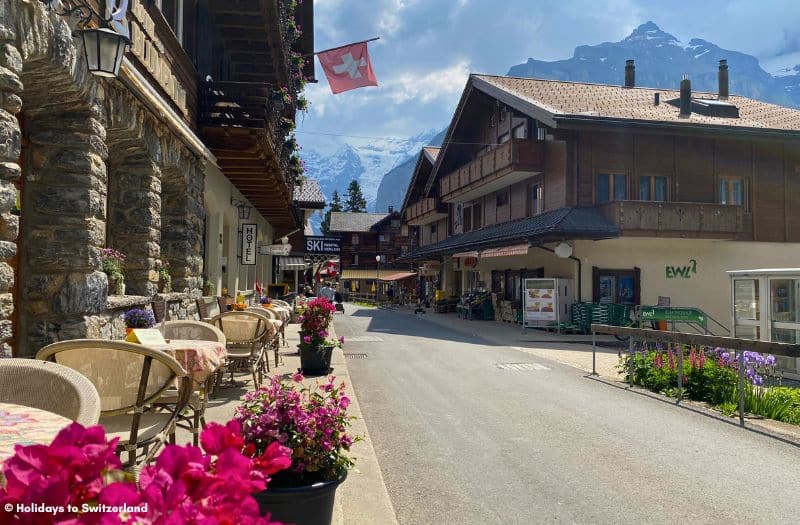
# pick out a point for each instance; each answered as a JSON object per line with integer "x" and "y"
{"x": 275, "y": 249}
{"x": 320, "y": 245}
{"x": 248, "y": 248}
{"x": 685, "y": 315}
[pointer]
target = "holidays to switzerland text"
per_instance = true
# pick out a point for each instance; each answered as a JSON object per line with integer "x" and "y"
{"x": 85, "y": 507}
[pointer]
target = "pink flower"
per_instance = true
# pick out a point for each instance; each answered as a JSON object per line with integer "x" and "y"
{"x": 217, "y": 438}
{"x": 307, "y": 339}
{"x": 341, "y": 339}
{"x": 297, "y": 377}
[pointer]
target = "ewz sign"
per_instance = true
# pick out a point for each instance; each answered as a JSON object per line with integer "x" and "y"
{"x": 321, "y": 245}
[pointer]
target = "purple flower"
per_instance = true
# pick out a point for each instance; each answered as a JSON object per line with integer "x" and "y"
{"x": 307, "y": 339}
{"x": 341, "y": 341}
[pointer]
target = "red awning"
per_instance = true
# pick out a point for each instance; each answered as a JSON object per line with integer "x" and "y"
{"x": 398, "y": 276}
{"x": 464, "y": 255}
{"x": 506, "y": 251}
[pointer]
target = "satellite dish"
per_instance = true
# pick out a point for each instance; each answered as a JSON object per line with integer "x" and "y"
{"x": 563, "y": 250}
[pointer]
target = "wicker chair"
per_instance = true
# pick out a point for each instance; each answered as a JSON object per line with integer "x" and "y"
{"x": 222, "y": 303}
{"x": 202, "y": 309}
{"x": 246, "y": 335}
{"x": 198, "y": 402}
{"x": 160, "y": 311}
{"x": 273, "y": 338}
{"x": 281, "y": 303}
{"x": 129, "y": 378}
{"x": 51, "y": 387}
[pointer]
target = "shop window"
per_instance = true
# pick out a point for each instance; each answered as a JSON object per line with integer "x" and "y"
{"x": 535, "y": 200}
{"x": 733, "y": 191}
{"x": 354, "y": 239}
{"x": 616, "y": 286}
{"x": 501, "y": 198}
{"x": 653, "y": 188}
{"x": 611, "y": 187}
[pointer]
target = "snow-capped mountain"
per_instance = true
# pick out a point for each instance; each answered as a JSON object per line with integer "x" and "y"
{"x": 662, "y": 60}
{"x": 364, "y": 160}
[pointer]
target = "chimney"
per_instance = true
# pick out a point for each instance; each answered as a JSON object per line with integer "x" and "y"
{"x": 686, "y": 97}
{"x": 391, "y": 209}
{"x": 630, "y": 74}
{"x": 723, "y": 80}
{"x": 656, "y": 99}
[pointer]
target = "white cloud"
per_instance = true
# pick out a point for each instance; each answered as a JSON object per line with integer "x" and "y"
{"x": 430, "y": 86}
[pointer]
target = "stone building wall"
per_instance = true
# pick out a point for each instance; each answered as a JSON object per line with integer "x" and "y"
{"x": 96, "y": 169}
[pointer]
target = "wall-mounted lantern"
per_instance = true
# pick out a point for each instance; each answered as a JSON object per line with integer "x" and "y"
{"x": 243, "y": 207}
{"x": 105, "y": 40}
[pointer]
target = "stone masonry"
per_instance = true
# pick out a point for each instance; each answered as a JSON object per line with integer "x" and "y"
{"x": 95, "y": 169}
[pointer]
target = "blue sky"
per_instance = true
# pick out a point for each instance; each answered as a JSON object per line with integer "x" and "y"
{"x": 428, "y": 47}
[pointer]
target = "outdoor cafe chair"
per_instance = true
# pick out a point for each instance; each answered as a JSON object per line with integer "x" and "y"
{"x": 272, "y": 339}
{"x": 202, "y": 309}
{"x": 129, "y": 378}
{"x": 281, "y": 303}
{"x": 51, "y": 387}
{"x": 160, "y": 311}
{"x": 198, "y": 401}
{"x": 245, "y": 333}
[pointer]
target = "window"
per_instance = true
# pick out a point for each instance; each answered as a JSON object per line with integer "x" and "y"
{"x": 382, "y": 238}
{"x": 535, "y": 200}
{"x": 519, "y": 132}
{"x": 433, "y": 229}
{"x": 355, "y": 259}
{"x": 502, "y": 198}
{"x": 477, "y": 216}
{"x": 541, "y": 133}
{"x": 355, "y": 238}
{"x": 653, "y": 188}
{"x": 611, "y": 187}
{"x": 616, "y": 286}
{"x": 467, "y": 218}
{"x": 733, "y": 191}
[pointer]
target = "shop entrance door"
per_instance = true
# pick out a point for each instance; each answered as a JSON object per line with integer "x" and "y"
{"x": 618, "y": 286}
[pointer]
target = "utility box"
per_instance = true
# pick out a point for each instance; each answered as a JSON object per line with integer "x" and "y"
{"x": 546, "y": 302}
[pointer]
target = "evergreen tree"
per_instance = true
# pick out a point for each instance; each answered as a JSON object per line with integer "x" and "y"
{"x": 355, "y": 202}
{"x": 335, "y": 205}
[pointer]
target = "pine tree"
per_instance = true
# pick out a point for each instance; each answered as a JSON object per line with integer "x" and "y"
{"x": 335, "y": 205}
{"x": 355, "y": 203}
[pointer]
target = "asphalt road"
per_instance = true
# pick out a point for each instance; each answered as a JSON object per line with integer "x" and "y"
{"x": 462, "y": 440}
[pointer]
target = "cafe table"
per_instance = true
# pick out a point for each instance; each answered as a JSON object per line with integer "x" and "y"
{"x": 22, "y": 425}
{"x": 200, "y": 359}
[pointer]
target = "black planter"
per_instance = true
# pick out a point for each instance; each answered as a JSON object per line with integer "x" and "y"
{"x": 316, "y": 361}
{"x": 306, "y": 505}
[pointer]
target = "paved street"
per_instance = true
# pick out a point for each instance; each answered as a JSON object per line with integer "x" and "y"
{"x": 467, "y": 431}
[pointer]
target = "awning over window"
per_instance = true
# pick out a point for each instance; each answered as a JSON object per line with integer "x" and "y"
{"x": 464, "y": 255}
{"x": 370, "y": 275}
{"x": 291, "y": 262}
{"x": 398, "y": 276}
{"x": 506, "y": 251}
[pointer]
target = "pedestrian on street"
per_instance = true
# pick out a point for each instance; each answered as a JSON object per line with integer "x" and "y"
{"x": 327, "y": 292}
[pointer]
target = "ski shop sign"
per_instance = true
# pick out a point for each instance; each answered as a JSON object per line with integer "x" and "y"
{"x": 320, "y": 245}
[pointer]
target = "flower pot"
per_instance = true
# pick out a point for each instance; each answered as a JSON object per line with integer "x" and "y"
{"x": 306, "y": 505}
{"x": 315, "y": 361}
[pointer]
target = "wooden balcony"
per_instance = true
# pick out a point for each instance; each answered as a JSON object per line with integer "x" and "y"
{"x": 425, "y": 211}
{"x": 506, "y": 164}
{"x": 679, "y": 219}
{"x": 241, "y": 125}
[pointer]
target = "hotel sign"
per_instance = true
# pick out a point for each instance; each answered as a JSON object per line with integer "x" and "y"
{"x": 321, "y": 245}
{"x": 249, "y": 240}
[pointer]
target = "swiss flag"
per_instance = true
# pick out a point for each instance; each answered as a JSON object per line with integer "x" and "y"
{"x": 348, "y": 67}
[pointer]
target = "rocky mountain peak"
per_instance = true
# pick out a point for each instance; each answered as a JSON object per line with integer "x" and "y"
{"x": 650, "y": 34}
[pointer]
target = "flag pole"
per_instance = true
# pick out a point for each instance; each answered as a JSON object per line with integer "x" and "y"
{"x": 340, "y": 47}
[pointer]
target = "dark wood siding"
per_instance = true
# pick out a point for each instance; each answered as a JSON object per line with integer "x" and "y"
{"x": 768, "y": 191}
{"x": 555, "y": 175}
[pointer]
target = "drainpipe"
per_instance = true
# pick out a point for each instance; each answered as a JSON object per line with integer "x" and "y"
{"x": 578, "y": 284}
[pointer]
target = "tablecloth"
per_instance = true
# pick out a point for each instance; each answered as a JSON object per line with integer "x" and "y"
{"x": 27, "y": 426}
{"x": 199, "y": 358}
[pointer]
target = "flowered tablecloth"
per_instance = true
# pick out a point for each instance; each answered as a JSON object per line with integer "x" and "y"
{"x": 199, "y": 358}
{"x": 26, "y": 426}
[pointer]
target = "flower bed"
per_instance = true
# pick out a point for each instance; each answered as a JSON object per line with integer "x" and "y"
{"x": 711, "y": 375}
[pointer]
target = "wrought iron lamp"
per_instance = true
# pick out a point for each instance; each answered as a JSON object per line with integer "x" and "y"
{"x": 243, "y": 207}
{"x": 104, "y": 39}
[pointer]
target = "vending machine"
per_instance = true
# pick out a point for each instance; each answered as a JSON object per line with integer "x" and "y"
{"x": 546, "y": 302}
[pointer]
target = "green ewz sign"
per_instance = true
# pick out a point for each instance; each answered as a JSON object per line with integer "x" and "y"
{"x": 673, "y": 272}
{"x": 686, "y": 315}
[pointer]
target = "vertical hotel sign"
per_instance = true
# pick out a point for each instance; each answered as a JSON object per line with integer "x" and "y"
{"x": 249, "y": 250}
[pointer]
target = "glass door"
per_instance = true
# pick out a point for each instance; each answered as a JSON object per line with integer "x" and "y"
{"x": 746, "y": 309}
{"x": 785, "y": 310}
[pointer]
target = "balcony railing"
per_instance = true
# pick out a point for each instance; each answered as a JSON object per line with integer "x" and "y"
{"x": 513, "y": 156}
{"x": 237, "y": 104}
{"x": 679, "y": 219}
{"x": 423, "y": 209}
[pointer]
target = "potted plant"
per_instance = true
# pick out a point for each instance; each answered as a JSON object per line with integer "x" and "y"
{"x": 313, "y": 424}
{"x": 315, "y": 346}
{"x": 164, "y": 278}
{"x": 209, "y": 287}
{"x": 113, "y": 263}
{"x": 138, "y": 318}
